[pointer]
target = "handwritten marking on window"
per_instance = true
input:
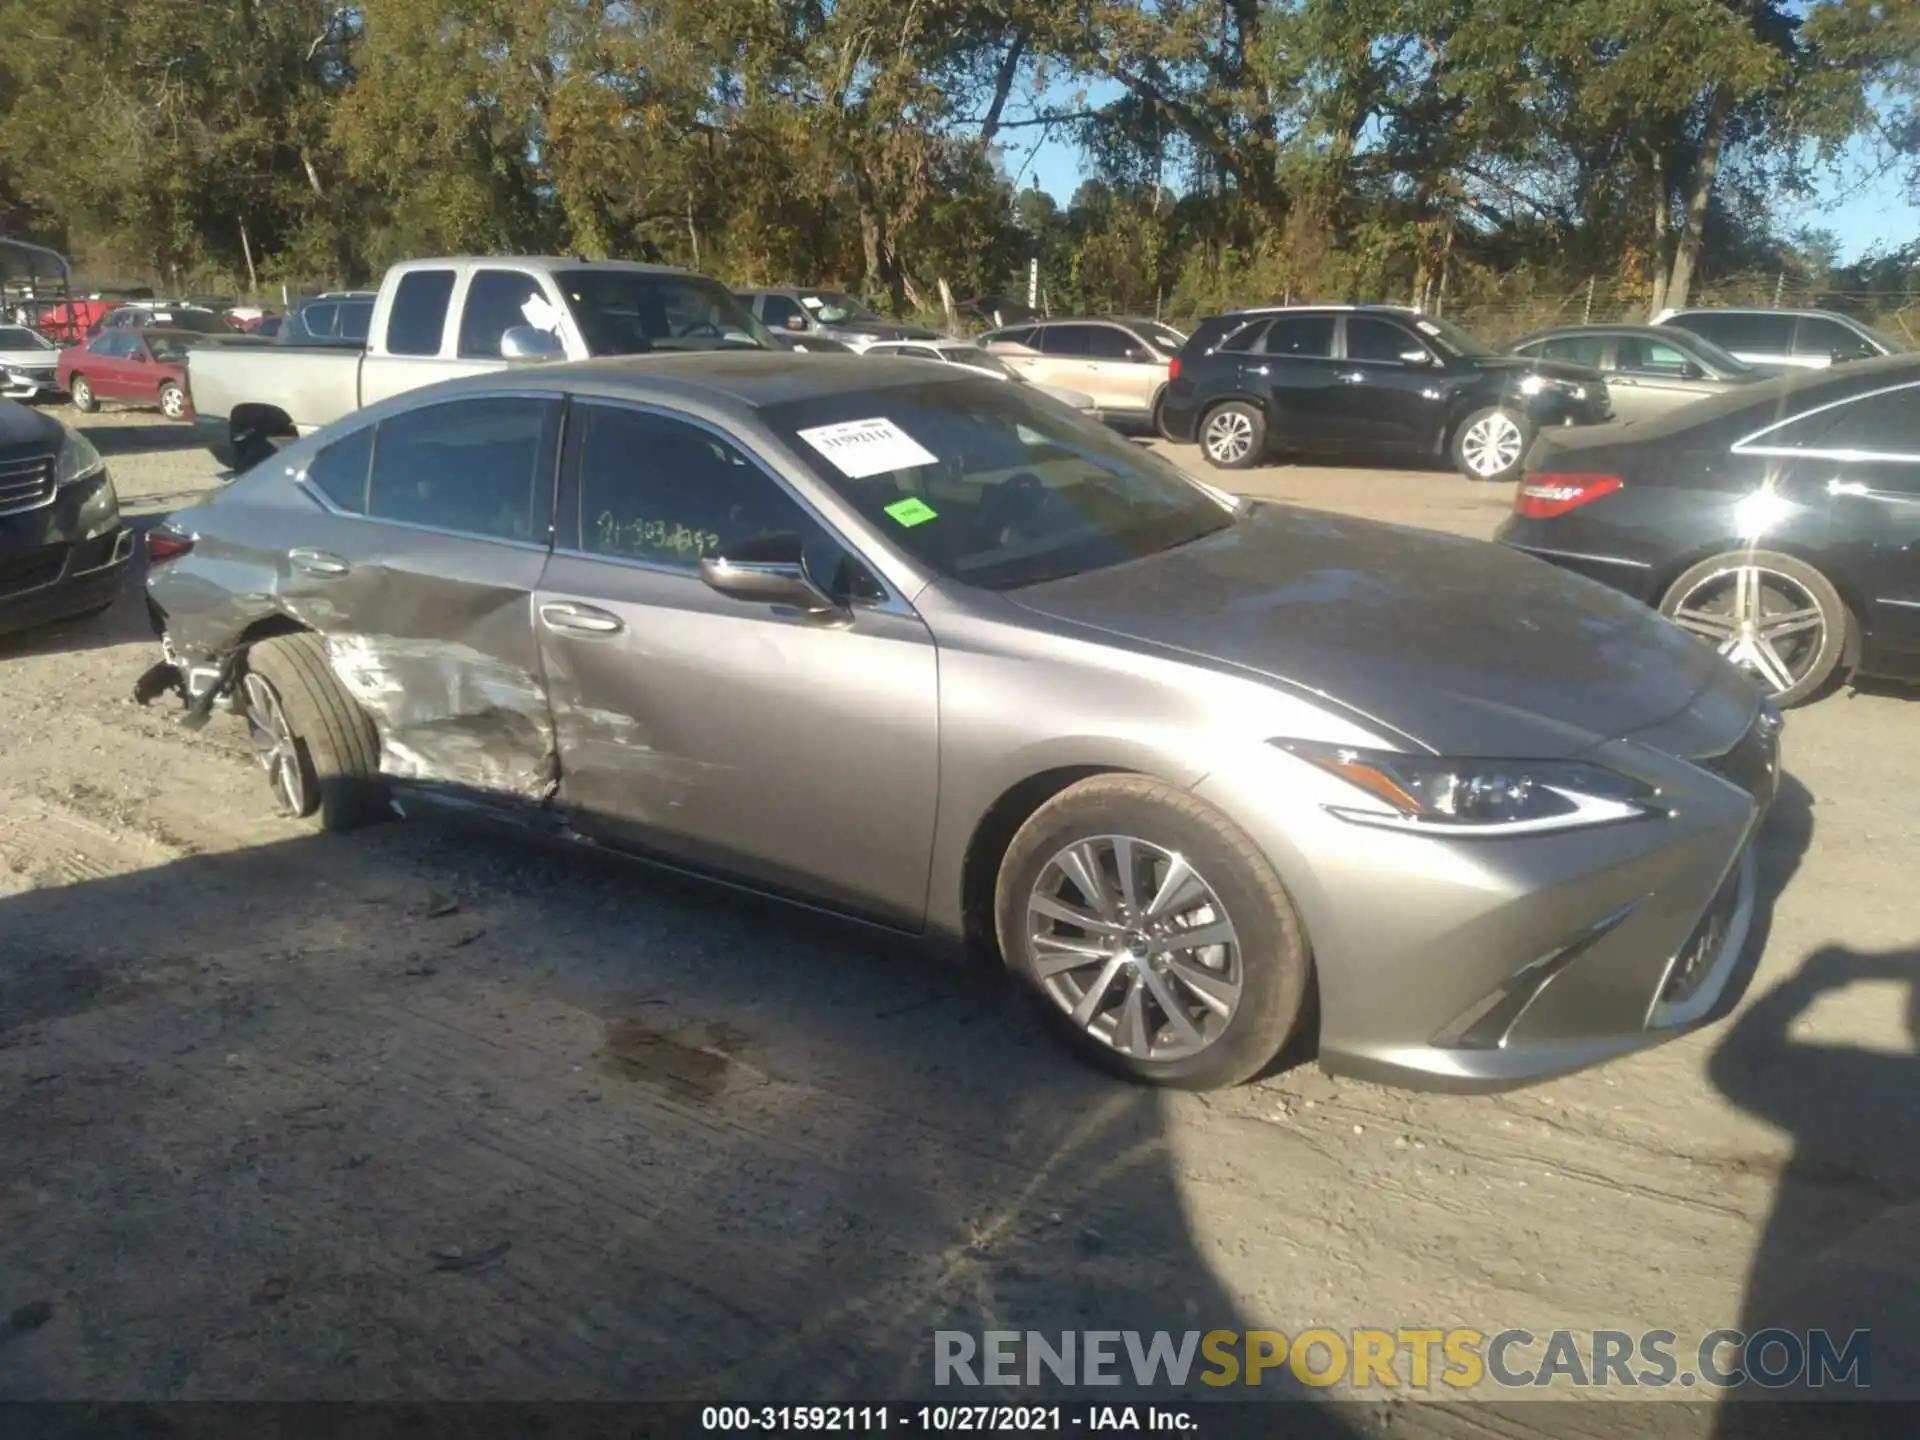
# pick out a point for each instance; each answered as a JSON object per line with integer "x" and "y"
{"x": 643, "y": 538}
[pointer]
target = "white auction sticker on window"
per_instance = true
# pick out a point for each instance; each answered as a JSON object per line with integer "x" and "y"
{"x": 859, "y": 448}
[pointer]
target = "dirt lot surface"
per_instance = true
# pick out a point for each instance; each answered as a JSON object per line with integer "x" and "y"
{"x": 422, "y": 1113}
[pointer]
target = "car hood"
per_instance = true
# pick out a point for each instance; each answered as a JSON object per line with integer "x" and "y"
{"x": 1463, "y": 646}
{"x": 34, "y": 359}
{"x": 21, "y": 426}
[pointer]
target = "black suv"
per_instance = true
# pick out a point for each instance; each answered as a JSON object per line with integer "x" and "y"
{"x": 1367, "y": 377}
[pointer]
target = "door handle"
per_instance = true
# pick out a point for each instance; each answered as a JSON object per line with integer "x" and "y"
{"x": 1354, "y": 377}
{"x": 317, "y": 562}
{"x": 1257, "y": 369}
{"x": 582, "y": 619}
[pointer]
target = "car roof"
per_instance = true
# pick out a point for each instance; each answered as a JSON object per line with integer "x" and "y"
{"x": 737, "y": 379}
{"x": 542, "y": 263}
{"x": 1759, "y": 310}
{"x": 1383, "y": 309}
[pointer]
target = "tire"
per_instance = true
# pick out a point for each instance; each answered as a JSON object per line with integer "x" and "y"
{"x": 1266, "y": 951}
{"x": 334, "y": 749}
{"x": 1233, "y": 436}
{"x": 1501, "y": 435}
{"x": 173, "y": 401}
{"x": 1777, "y": 618}
{"x": 81, "y": 393}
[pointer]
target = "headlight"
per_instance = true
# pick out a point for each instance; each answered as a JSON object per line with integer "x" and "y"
{"x": 1435, "y": 795}
{"x": 1534, "y": 384}
{"x": 77, "y": 459}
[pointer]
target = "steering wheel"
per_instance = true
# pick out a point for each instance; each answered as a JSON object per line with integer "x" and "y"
{"x": 1012, "y": 503}
{"x": 699, "y": 327}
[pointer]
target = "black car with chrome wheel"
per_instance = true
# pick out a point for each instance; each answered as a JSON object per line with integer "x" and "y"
{"x": 1779, "y": 523}
{"x": 1373, "y": 378}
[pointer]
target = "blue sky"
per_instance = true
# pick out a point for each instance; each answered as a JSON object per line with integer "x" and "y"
{"x": 1864, "y": 212}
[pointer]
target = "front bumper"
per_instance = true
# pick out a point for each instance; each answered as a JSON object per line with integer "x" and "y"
{"x": 64, "y": 557}
{"x": 1483, "y": 964}
{"x": 30, "y": 385}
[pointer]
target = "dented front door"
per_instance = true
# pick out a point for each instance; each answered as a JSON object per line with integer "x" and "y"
{"x": 424, "y": 596}
{"x": 729, "y": 736}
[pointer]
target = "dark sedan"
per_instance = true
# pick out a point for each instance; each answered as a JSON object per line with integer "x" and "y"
{"x": 1780, "y": 523}
{"x": 1375, "y": 378}
{"x": 63, "y": 548}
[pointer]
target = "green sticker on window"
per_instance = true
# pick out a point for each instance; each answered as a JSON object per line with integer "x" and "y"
{"x": 912, "y": 511}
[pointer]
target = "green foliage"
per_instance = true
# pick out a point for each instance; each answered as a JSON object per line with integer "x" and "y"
{"x": 1250, "y": 150}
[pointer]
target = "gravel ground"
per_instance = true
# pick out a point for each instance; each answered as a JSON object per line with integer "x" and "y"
{"x": 421, "y": 1113}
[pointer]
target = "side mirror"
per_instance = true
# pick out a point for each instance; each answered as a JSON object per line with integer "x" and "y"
{"x": 1416, "y": 357}
{"x": 523, "y": 342}
{"x": 1691, "y": 371}
{"x": 769, "y": 570}
{"x": 795, "y": 322}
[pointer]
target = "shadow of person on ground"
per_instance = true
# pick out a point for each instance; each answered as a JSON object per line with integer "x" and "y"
{"x": 1841, "y": 1249}
{"x": 114, "y": 441}
{"x": 421, "y": 1114}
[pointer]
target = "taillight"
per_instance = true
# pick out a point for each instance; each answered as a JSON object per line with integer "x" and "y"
{"x": 1547, "y": 495}
{"x": 1173, "y": 369}
{"x": 163, "y": 545}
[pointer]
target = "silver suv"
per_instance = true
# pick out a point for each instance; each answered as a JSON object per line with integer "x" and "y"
{"x": 1803, "y": 339}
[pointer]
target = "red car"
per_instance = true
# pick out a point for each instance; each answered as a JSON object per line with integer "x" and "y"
{"x": 143, "y": 367}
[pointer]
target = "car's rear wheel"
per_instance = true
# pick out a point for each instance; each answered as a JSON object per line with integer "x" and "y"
{"x": 1491, "y": 444}
{"x": 1160, "y": 942}
{"x": 173, "y": 401}
{"x": 318, "y": 748}
{"x": 81, "y": 393}
{"x": 1777, "y": 618}
{"x": 1234, "y": 436}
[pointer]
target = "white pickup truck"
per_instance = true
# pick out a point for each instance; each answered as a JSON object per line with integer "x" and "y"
{"x": 438, "y": 319}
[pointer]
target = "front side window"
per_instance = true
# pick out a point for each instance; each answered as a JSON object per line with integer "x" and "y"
{"x": 640, "y": 312}
{"x": 1021, "y": 335}
{"x": 356, "y": 320}
{"x": 1637, "y": 355}
{"x": 419, "y": 315}
{"x": 1817, "y": 336}
{"x": 666, "y": 492}
{"x": 499, "y": 301}
{"x": 1070, "y": 340}
{"x": 782, "y": 312}
{"x": 1376, "y": 340}
{"x": 1576, "y": 349}
{"x": 987, "y": 484}
{"x": 169, "y": 349}
{"x": 835, "y": 307}
{"x": 1104, "y": 342}
{"x": 1741, "y": 330}
{"x": 482, "y": 466}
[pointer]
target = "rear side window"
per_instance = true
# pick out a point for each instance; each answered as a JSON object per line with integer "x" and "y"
{"x": 1884, "y": 424}
{"x": 498, "y": 301}
{"x": 1305, "y": 337}
{"x": 419, "y": 314}
{"x": 1741, "y": 330}
{"x": 1065, "y": 339}
{"x": 340, "y": 471}
{"x": 477, "y": 467}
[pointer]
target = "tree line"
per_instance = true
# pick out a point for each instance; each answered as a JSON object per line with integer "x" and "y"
{"x": 1237, "y": 150}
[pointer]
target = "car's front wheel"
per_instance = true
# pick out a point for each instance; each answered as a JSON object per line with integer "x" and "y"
{"x": 319, "y": 749}
{"x": 1234, "y": 436}
{"x": 1777, "y": 618}
{"x": 1159, "y": 940}
{"x": 1491, "y": 444}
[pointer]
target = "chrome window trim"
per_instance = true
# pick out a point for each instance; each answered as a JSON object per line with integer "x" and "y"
{"x": 1748, "y": 444}
{"x": 579, "y": 403}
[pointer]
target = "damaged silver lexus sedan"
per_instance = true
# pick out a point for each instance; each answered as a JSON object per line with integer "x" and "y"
{"x": 932, "y": 651}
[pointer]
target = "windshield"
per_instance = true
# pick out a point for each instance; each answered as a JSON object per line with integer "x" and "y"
{"x": 1450, "y": 337}
{"x": 201, "y": 322}
{"x": 634, "y": 312}
{"x": 16, "y": 337}
{"x": 980, "y": 360}
{"x": 1890, "y": 345}
{"x": 1164, "y": 336}
{"x": 992, "y": 486}
{"x": 837, "y": 300}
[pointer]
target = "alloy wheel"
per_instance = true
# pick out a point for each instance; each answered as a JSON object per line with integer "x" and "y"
{"x": 82, "y": 394}
{"x": 1229, "y": 437}
{"x": 1134, "y": 945}
{"x": 173, "y": 404}
{"x": 276, "y": 748}
{"x": 1491, "y": 445}
{"x": 1765, "y": 622}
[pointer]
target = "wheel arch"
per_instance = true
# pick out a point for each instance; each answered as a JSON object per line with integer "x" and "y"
{"x": 993, "y": 833}
{"x": 269, "y": 420}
